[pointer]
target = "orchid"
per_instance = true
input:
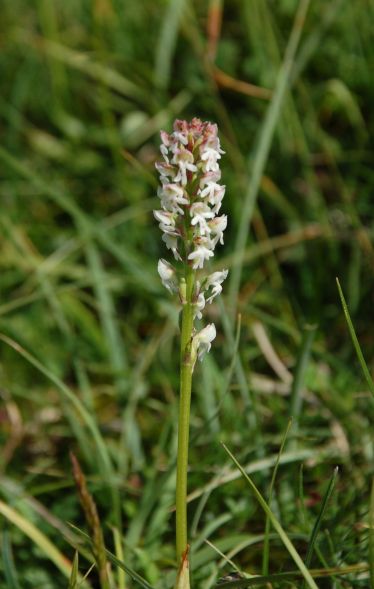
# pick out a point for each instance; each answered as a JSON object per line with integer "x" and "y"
{"x": 190, "y": 199}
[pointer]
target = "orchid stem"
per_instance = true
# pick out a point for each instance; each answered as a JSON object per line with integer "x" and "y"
{"x": 186, "y": 369}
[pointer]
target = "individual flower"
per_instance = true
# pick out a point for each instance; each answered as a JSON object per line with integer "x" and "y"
{"x": 166, "y": 222}
{"x": 168, "y": 275}
{"x": 167, "y": 172}
{"x": 217, "y": 227}
{"x": 185, "y": 162}
{"x": 199, "y": 305}
{"x": 202, "y": 252}
{"x": 208, "y": 177}
{"x": 209, "y": 158}
{"x": 200, "y": 212}
{"x": 214, "y": 282}
{"x": 202, "y": 341}
{"x": 172, "y": 196}
{"x": 171, "y": 243}
{"x": 214, "y": 194}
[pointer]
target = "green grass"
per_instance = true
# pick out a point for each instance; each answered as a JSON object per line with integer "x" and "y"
{"x": 89, "y": 338}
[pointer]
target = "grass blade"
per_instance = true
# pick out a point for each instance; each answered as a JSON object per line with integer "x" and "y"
{"x": 263, "y": 149}
{"x": 255, "y": 466}
{"x": 133, "y": 574}
{"x": 312, "y": 43}
{"x": 262, "y": 580}
{"x": 10, "y": 572}
{"x": 98, "y": 72}
{"x": 167, "y": 42}
{"x": 104, "y": 460}
{"x": 117, "y": 538}
{"x": 128, "y": 259}
{"x": 265, "y": 557}
{"x": 107, "y": 313}
{"x": 74, "y": 573}
{"x": 44, "y": 544}
{"x": 282, "y": 534}
{"x": 317, "y": 525}
{"x": 355, "y": 341}
{"x": 249, "y": 399}
{"x": 73, "y": 399}
{"x": 299, "y": 377}
{"x": 225, "y": 387}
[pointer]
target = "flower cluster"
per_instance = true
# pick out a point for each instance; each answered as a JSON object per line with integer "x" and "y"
{"x": 191, "y": 198}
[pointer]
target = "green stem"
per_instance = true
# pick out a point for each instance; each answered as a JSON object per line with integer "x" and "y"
{"x": 186, "y": 369}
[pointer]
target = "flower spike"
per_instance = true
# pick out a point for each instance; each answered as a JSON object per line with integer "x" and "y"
{"x": 190, "y": 198}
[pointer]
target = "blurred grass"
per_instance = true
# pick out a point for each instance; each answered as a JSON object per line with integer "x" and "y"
{"x": 86, "y": 87}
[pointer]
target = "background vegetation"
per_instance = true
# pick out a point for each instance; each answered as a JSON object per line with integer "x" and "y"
{"x": 89, "y": 357}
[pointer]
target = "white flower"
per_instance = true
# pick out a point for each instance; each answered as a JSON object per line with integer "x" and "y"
{"x": 214, "y": 281}
{"x": 172, "y": 195}
{"x": 166, "y": 222}
{"x": 166, "y": 171}
{"x": 215, "y": 193}
{"x": 210, "y": 157}
{"x": 171, "y": 243}
{"x": 184, "y": 160}
{"x": 212, "y": 140}
{"x": 168, "y": 275}
{"x": 217, "y": 227}
{"x": 164, "y": 217}
{"x": 202, "y": 341}
{"x": 181, "y": 137}
{"x": 199, "y": 305}
{"x": 200, "y": 212}
{"x": 209, "y": 177}
{"x": 169, "y": 229}
{"x": 165, "y": 138}
{"x": 199, "y": 255}
{"x": 165, "y": 152}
